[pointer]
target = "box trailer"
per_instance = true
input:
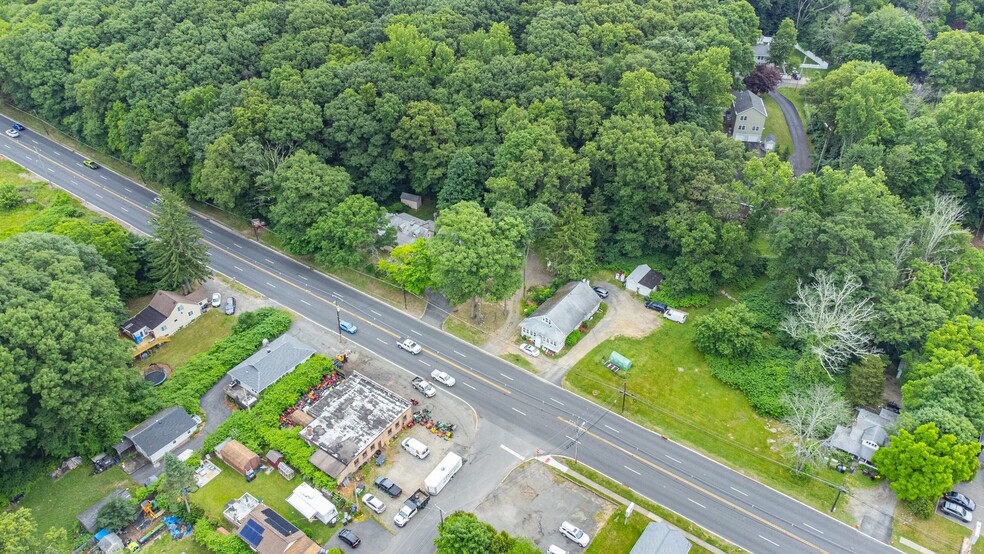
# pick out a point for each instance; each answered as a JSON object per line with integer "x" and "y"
{"x": 442, "y": 475}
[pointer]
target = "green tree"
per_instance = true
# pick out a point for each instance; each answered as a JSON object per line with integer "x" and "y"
{"x": 709, "y": 83}
{"x": 865, "y": 382}
{"x": 954, "y": 60}
{"x": 958, "y": 342}
{"x": 923, "y": 464}
{"x": 957, "y": 389}
{"x": 59, "y": 336}
{"x": 350, "y": 232}
{"x": 17, "y": 530}
{"x": 641, "y": 92}
{"x": 9, "y": 197}
{"x": 895, "y": 36}
{"x": 177, "y": 479}
{"x": 307, "y": 189}
{"x": 783, "y": 42}
{"x": 222, "y": 178}
{"x": 115, "y": 514}
{"x": 463, "y": 533}
{"x": 113, "y": 243}
{"x": 572, "y": 243}
{"x": 462, "y": 183}
{"x": 178, "y": 256}
{"x": 163, "y": 154}
{"x": 425, "y": 143}
{"x": 410, "y": 265}
{"x": 728, "y": 332}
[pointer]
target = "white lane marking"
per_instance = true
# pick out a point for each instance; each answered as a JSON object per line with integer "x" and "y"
{"x": 672, "y": 458}
{"x": 28, "y": 158}
{"x": 416, "y": 331}
{"x": 614, "y": 429}
{"x": 124, "y": 209}
{"x": 97, "y": 194}
{"x": 34, "y": 141}
{"x": 302, "y": 277}
{"x": 237, "y": 267}
{"x": 511, "y": 451}
{"x": 705, "y": 507}
{"x": 57, "y": 153}
{"x": 767, "y": 540}
{"x": 375, "y": 312}
{"x": 74, "y": 183}
{"x": 557, "y": 401}
{"x": 7, "y": 146}
{"x": 271, "y": 284}
{"x": 459, "y": 353}
{"x": 469, "y": 386}
{"x": 207, "y": 231}
{"x": 425, "y": 363}
{"x": 306, "y": 302}
{"x": 812, "y": 527}
{"x": 738, "y": 491}
{"x": 507, "y": 377}
{"x": 124, "y": 188}
{"x": 381, "y": 340}
{"x": 268, "y": 260}
{"x": 51, "y": 170}
{"x": 518, "y": 412}
{"x": 572, "y": 439}
{"x": 236, "y": 245}
{"x": 632, "y": 470}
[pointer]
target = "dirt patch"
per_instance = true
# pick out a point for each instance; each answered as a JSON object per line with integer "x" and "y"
{"x": 872, "y": 508}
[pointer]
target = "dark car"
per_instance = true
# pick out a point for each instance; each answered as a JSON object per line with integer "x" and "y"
{"x": 349, "y": 538}
{"x": 389, "y": 487}
{"x": 230, "y": 307}
{"x": 18, "y": 126}
{"x": 951, "y": 509}
{"x": 90, "y": 164}
{"x": 658, "y": 306}
{"x": 960, "y": 500}
{"x": 601, "y": 292}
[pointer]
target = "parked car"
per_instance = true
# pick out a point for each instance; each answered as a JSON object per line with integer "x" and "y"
{"x": 442, "y": 378}
{"x": 230, "y": 307}
{"x": 658, "y": 306}
{"x": 373, "y": 503}
{"x": 389, "y": 487}
{"x": 960, "y": 500}
{"x": 90, "y": 164}
{"x": 415, "y": 447}
{"x": 959, "y": 512}
{"x": 601, "y": 292}
{"x": 410, "y": 346}
{"x": 216, "y": 300}
{"x": 573, "y": 533}
{"x": 530, "y": 349}
{"x": 349, "y": 538}
{"x": 349, "y": 328}
{"x": 12, "y": 133}
{"x": 18, "y": 126}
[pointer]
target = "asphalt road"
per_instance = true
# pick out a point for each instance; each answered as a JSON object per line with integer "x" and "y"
{"x": 800, "y": 159}
{"x": 532, "y": 411}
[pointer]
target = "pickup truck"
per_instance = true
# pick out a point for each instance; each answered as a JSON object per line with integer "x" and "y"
{"x": 424, "y": 387}
{"x": 409, "y": 346}
{"x": 415, "y": 503}
{"x": 389, "y": 487}
{"x": 442, "y": 377}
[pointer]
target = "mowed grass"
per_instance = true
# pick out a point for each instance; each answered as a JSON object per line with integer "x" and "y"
{"x": 675, "y": 394}
{"x": 937, "y": 533}
{"x": 194, "y": 339}
{"x": 619, "y": 535}
{"x": 476, "y": 331}
{"x": 167, "y": 545}
{"x": 272, "y": 490}
{"x": 56, "y": 502}
{"x": 520, "y": 361}
{"x": 775, "y": 124}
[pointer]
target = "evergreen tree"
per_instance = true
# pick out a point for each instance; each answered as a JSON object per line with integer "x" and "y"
{"x": 178, "y": 257}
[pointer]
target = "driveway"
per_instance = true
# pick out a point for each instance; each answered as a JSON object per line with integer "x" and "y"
{"x": 800, "y": 160}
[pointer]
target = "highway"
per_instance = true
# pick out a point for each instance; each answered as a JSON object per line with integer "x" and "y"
{"x": 535, "y": 412}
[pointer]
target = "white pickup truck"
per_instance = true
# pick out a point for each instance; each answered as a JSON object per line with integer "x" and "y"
{"x": 424, "y": 387}
{"x": 409, "y": 346}
{"x": 442, "y": 377}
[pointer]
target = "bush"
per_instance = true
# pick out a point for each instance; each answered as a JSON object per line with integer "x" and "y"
{"x": 240, "y": 426}
{"x": 205, "y": 535}
{"x": 9, "y": 197}
{"x": 285, "y": 392}
{"x": 572, "y": 338}
{"x": 921, "y": 507}
{"x": 764, "y": 378}
{"x": 769, "y": 305}
{"x": 727, "y": 332}
{"x": 695, "y": 300}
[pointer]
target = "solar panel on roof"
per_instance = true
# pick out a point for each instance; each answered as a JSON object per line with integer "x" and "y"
{"x": 277, "y": 521}
{"x": 252, "y": 533}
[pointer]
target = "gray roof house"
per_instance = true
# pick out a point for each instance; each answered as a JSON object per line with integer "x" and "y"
{"x": 866, "y": 435}
{"x": 661, "y": 538}
{"x": 750, "y": 114}
{"x": 271, "y": 362}
{"x": 88, "y": 517}
{"x": 160, "y": 434}
{"x": 761, "y": 50}
{"x": 410, "y": 228}
{"x": 556, "y": 318}
{"x": 643, "y": 280}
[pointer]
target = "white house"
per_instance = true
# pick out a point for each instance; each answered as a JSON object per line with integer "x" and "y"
{"x": 556, "y": 318}
{"x": 312, "y": 504}
{"x": 160, "y": 434}
{"x": 165, "y": 315}
{"x": 643, "y": 280}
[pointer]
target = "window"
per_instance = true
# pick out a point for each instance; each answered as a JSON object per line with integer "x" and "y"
{"x": 743, "y": 118}
{"x": 755, "y": 128}
{"x": 741, "y": 127}
{"x": 163, "y": 327}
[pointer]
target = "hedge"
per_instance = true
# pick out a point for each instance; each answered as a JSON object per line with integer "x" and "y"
{"x": 764, "y": 378}
{"x": 695, "y": 300}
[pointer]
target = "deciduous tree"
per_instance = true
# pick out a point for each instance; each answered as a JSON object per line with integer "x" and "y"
{"x": 115, "y": 514}
{"x": 811, "y": 418}
{"x": 351, "y": 232}
{"x": 307, "y": 189}
{"x": 727, "y": 332}
{"x": 924, "y": 464}
{"x": 410, "y": 265}
{"x": 763, "y": 79}
{"x": 462, "y": 532}
{"x": 783, "y": 42}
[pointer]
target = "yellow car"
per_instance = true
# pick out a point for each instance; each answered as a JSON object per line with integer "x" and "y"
{"x": 90, "y": 164}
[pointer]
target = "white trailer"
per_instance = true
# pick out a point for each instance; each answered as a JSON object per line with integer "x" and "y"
{"x": 442, "y": 475}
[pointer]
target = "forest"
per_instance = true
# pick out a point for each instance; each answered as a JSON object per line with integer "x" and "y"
{"x": 590, "y": 131}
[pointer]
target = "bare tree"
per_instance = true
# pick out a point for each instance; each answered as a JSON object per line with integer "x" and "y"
{"x": 813, "y": 415}
{"x": 939, "y": 224}
{"x": 831, "y": 320}
{"x": 808, "y": 10}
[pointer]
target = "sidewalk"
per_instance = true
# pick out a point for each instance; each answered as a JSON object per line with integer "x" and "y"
{"x": 552, "y": 462}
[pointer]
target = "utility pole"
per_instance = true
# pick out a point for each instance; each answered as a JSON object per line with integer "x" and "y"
{"x": 338, "y": 322}
{"x": 624, "y": 385}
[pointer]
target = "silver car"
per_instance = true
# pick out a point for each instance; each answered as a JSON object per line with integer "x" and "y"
{"x": 373, "y": 503}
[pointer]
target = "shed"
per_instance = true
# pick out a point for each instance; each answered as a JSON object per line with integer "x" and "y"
{"x": 274, "y": 457}
{"x": 312, "y": 504}
{"x": 111, "y": 543}
{"x": 643, "y": 280}
{"x": 414, "y": 201}
{"x": 620, "y": 360}
{"x": 770, "y": 143}
{"x": 237, "y": 456}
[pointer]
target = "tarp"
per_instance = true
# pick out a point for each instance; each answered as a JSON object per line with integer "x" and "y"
{"x": 620, "y": 360}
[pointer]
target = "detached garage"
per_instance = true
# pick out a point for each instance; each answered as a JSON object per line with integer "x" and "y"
{"x": 237, "y": 456}
{"x": 643, "y": 280}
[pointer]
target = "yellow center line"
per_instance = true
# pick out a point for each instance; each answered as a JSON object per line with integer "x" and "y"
{"x": 264, "y": 270}
{"x": 695, "y": 486}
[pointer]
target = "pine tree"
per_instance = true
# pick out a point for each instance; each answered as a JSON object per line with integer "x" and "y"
{"x": 178, "y": 257}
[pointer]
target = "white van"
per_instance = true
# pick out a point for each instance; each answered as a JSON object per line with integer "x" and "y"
{"x": 415, "y": 447}
{"x": 554, "y": 549}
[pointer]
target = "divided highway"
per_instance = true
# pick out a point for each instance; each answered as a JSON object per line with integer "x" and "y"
{"x": 534, "y": 412}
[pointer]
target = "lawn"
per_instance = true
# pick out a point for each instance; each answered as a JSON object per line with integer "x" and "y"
{"x": 272, "y": 490}
{"x": 937, "y": 533}
{"x": 520, "y": 361}
{"x": 775, "y": 124}
{"x": 56, "y": 502}
{"x": 380, "y": 289}
{"x": 619, "y": 535}
{"x": 167, "y": 545}
{"x": 669, "y": 379}
{"x": 796, "y": 97}
{"x": 193, "y": 339}
{"x": 477, "y": 332}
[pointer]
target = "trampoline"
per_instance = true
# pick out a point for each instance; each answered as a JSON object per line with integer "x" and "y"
{"x": 156, "y": 377}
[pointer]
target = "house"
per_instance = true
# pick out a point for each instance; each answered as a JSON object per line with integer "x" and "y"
{"x": 865, "y": 436}
{"x": 351, "y": 422}
{"x": 165, "y": 315}
{"x": 160, "y": 434}
{"x": 88, "y": 517}
{"x": 661, "y": 538}
{"x": 556, "y": 318}
{"x": 410, "y": 228}
{"x": 413, "y": 201}
{"x": 643, "y": 280}
{"x": 237, "y": 510}
{"x": 237, "y": 456}
{"x": 267, "y": 532}
{"x": 313, "y": 505}
{"x": 761, "y": 50}
{"x": 265, "y": 367}
{"x": 749, "y": 117}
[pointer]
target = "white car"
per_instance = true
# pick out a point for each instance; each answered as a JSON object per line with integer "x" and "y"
{"x": 409, "y": 346}
{"x": 12, "y": 133}
{"x": 442, "y": 377}
{"x": 373, "y": 503}
{"x": 216, "y": 300}
{"x": 573, "y": 533}
{"x": 529, "y": 349}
